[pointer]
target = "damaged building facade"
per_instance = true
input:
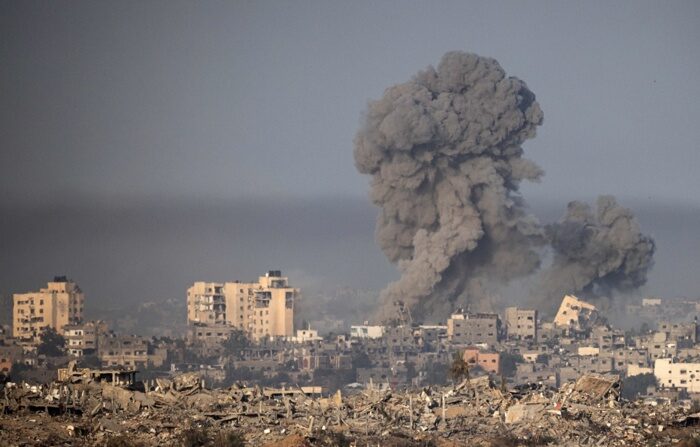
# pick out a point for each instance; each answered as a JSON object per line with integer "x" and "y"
{"x": 59, "y": 304}
{"x": 261, "y": 309}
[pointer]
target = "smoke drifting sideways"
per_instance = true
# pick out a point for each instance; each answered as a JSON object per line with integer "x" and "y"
{"x": 445, "y": 157}
{"x": 444, "y": 152}
{"x": 596, "y": 255}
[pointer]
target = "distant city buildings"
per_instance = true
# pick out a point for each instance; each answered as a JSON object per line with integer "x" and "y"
{"x": 521, "y": 348}
{"x": 262, "y": 309}
{"x": 61, "y": 303}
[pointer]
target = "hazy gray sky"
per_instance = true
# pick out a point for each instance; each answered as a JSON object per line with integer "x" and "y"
{"x": 228, "y": 102}
{"x": 239, "y": 99}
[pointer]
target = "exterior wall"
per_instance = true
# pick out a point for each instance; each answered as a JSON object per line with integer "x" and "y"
{"x": 81, "y": 339}
{"x": 306, "y": 335}
{"x": 521, "y": 324}
{"x": 624, "y": 359}
{"x": 125, "y": 350}
{"x": 366, "y": 331}
{"x": 273, "y": 311}
{"x": 678, "y": 331}
{"x": 677, "y": 375}
{"x": 240, "y": 299}
{"x": 211, "y": 334}
{"x": 633, "y": 370}
{"x": 206, "y": 303}
{"x": 588, "y": 350}
{"x": 488, "y": 361}
{"x": 473, "y": 328}
{"x": 59, "y": 304}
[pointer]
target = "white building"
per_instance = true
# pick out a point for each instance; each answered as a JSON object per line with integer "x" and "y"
{"x": 366, "y": 331}
{"x": 678, "y": 375}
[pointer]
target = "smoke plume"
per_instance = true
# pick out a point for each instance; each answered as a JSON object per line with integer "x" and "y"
{"x": 444, "y": 152}
{"x": 596, "y": 255}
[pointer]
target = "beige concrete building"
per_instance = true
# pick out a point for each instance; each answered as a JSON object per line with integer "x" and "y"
{"x": 521, "y": 324}
{"x": 261, "y": 309}
{"x": 467, "y": 328}
{"x": 82, "y": 339}
{"x": 131, "y": 351}
{"x": 572, "y": 310}
{"x": 59, "y": 304}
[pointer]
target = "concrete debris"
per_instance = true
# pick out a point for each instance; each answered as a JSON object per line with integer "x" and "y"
{"x": 588, "y": 412}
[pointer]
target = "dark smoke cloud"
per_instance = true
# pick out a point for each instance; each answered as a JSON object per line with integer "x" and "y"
{"x": 597, "y": 255}
{"x": 444, "y": 152}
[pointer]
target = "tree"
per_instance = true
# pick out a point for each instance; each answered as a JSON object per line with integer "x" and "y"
{"x": 509, "y": 363}
{"x": 236, "y": 343}
{"x": 18, "y": 370}
{"x": 437, "y": 373}
{"x": 634, "y": 386}
{"x": 52, "y": 343}
{"x": 459, "y": 369}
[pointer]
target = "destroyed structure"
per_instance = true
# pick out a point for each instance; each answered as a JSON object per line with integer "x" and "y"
{"x": 523, "y": 380}
{"x": 83, "y": 409}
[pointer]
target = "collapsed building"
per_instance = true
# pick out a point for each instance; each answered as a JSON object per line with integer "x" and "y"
{"x": 87, "y": 409}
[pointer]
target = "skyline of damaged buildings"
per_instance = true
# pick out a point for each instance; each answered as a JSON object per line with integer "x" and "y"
{"x": 517, "y": 344}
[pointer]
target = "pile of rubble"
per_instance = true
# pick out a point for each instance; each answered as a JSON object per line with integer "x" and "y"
{"x": 87, "y": 412}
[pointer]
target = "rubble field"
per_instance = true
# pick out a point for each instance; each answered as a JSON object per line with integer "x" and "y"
{"x": 476, "y": 412}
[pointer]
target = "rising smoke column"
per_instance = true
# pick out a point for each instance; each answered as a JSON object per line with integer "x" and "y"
{"x": 444, "y": 152}
{"x": 596, "y": 255}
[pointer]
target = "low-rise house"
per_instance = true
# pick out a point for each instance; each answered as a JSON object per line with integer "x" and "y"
{"x": 488, "y": 361}
{"x": 124, "y": 350}
{"x": 81, "y": 339}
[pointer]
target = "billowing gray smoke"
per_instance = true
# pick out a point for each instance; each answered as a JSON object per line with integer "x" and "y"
{"x": 444, "y": 151}
{"x": 597, "y": 255}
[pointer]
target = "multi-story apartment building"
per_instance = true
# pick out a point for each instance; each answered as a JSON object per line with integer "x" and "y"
{"x": 679, "y": 331}
{"x": 677, "y": 375}
{"x": 467, "y": 328}
{"x": 59, "y": 304}
{"x": 521, "y": 324}
{"x": 82, "y": 338}
{"x": 128, "y": 350}
{"x": 261, "y": 309}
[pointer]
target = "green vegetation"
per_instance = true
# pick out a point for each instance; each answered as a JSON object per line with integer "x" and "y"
{"x": 52, "y": 343}
{"x": 634, "y": 386}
